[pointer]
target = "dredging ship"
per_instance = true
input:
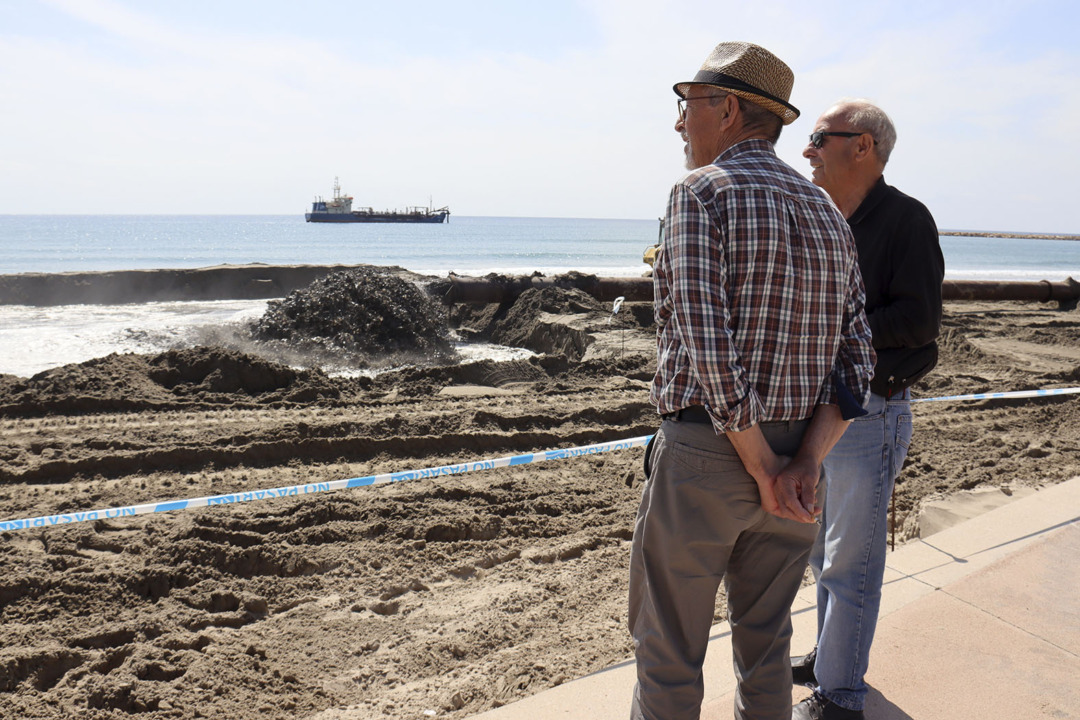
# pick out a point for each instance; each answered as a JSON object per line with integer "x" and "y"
{"x": 339, "y": 210}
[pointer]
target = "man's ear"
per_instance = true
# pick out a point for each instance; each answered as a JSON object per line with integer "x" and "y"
{"x": 864, "y": 146}
{"x": 729, "y": 108}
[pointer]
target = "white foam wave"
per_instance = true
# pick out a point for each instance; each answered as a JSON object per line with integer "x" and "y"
{"x": 34, "y": 339}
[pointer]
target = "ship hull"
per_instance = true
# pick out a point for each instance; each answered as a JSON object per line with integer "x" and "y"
{"x": 356, "y": 217}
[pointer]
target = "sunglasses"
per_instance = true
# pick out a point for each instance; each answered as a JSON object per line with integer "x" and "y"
{"x": 817, "y": 139}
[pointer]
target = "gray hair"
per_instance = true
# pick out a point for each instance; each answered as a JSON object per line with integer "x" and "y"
{"x": 866, "y": 116}
{"x": 764, "y": 121}
{"x": 755, "y": 116}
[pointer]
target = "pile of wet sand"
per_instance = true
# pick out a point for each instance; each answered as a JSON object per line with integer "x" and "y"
{"x": 451, "y": 594}
{"x": 190, "y": 377}
{"x": 363, "y": 316}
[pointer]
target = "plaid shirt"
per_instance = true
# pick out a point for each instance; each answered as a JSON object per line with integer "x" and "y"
{"x": 758, "y": 295}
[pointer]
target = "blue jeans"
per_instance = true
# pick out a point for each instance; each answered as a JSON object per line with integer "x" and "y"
{"x": 848, "y": 558}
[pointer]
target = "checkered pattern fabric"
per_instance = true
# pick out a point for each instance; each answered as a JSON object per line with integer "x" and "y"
{"x": 758, "y": 296}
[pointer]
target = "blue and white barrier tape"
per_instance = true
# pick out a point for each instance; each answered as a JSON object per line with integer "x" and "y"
{"x": 995, "y": 396}
{"x": 312, "y": 488}
{"x": 456, "y": 469}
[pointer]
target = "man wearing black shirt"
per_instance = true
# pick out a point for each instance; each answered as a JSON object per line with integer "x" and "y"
{"x": 902, "y": 268}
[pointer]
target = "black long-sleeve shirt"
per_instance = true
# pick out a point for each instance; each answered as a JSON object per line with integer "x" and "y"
{"x": 902, "y": 268}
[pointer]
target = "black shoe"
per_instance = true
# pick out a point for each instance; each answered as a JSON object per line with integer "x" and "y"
{"x": 802, "y": 669}
{"x": 817, "y": 707}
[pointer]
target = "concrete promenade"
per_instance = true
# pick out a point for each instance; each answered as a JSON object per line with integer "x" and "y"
{"x": 979, "y": 621}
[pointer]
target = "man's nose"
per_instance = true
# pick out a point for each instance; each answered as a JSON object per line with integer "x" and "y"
{"x": 809, "y": 151}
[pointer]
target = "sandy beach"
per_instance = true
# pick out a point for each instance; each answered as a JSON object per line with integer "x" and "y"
{"x": 438, "y": 597}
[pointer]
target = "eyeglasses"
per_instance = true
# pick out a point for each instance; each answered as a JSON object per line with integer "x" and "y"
{"x": 817, "y": 139}
{"x": 682, "y": 105}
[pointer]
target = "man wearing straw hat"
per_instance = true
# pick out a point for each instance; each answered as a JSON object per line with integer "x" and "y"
{"x": 762, "y": 351}
{"x": 902, "y": 268}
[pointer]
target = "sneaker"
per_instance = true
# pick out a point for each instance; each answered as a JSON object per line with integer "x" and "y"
{"x": 817, "y": 707}
{"x": 802, "y": 669}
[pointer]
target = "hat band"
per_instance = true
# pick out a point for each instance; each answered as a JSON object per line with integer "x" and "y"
{"x": 709, "y": 77}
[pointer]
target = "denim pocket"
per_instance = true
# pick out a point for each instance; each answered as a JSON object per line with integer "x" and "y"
{"x": 904, "y": 430}
{"x": 876, "y": 408}
{"x": 870, "y": 417}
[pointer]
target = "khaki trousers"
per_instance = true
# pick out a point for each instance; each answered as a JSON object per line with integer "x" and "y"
{"x": 701, "y": 522}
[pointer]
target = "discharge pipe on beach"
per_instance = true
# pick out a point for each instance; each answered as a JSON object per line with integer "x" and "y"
{"x": 1066, "y": 292}
{"x": 459, "y": 289}
{"x": 275, "y": 281}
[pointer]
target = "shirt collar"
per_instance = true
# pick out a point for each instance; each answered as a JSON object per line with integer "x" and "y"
{"x": 876, "y": 194}
{"x": 746, "y": 146}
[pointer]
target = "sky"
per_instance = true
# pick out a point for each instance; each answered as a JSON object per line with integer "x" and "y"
{"x": 561, "y": 108}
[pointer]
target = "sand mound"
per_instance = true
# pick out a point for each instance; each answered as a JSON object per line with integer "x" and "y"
{"x": 369, "y": 316}
{"x": 193, "y": 376}
{"x": 553, "y": 320}
{"x": 525, "y": 325}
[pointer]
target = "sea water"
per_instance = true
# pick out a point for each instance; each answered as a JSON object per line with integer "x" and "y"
{"x": 33, "y": 339}
{"x": 465, "y": 245}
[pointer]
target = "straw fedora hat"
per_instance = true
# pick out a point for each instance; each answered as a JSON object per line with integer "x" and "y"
{"x": 750, "y": 72}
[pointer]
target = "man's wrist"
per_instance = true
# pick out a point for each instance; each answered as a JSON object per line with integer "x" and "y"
{"x": 808, "y": 456}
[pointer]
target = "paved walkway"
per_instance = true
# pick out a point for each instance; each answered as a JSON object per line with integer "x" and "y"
{"x": 979, "y": 621}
